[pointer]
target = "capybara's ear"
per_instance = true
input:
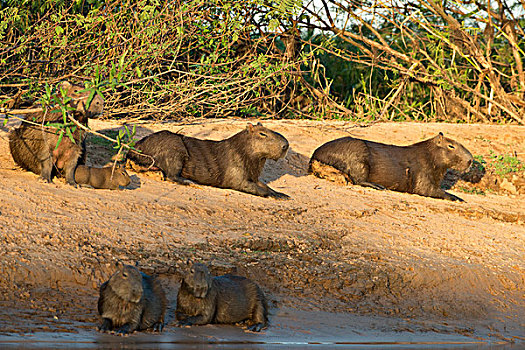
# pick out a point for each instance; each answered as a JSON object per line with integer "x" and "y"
{"x": 119, "y": 265}
{"x": 439, "y": 138}
{"x": 249, "y": 127}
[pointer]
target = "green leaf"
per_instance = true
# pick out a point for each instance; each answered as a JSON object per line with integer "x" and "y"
{"x": 117, "y": 146}
{"x": 59, "y": 139}
{"x": 90, "y": 97}
{"x": 121, "y": 59}
{"x": 59, "y": 30}
{"x": 70, "y": 135}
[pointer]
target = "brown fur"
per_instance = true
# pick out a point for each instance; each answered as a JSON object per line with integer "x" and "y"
{"x": 33, "y": 147}
{"x": 236, "y": 162}
{"x": 418, "y": 168}
{"x": 224, "y": 299}
{"x": 131, "y": 300}
{"x": 106, "y": 178}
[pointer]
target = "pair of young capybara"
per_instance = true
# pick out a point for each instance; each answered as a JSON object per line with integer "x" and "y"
{"x": 235, "y": 162}
{"x": 132, "y": 301}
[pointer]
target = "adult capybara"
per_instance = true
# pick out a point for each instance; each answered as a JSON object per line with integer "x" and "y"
{"x": 34, "y": 147}
{"x": 102, "y": 178}
{"x": 223, "y": 299}
{"x": 131, "y": 300}
{"x": 418, "y": 168}
{"x": 236, "y": 162}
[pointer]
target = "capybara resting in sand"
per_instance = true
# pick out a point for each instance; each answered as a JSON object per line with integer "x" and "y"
{"x": 236, "y": 162}
{"x": 223, "y": 299}
{"x": 131, "y": 301}
{"x": 102, "y": 178}
{"x": 418, "y": 168}
{"x": 34, "y": 147}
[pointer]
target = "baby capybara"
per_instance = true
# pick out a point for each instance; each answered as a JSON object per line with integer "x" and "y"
{"x": 102, "y": 178}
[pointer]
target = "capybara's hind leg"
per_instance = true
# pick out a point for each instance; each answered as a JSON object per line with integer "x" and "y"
{"x": 259, "y": 317}
{"x": 372, "y": 185}
{"x": 175, "y": 177}
{"x": 178, "y": 179}
{"x": 358, "y": 171}
{"x": 173, "y": 170}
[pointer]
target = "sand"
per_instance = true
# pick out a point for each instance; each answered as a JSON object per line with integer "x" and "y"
{"x": 378, "y": 264}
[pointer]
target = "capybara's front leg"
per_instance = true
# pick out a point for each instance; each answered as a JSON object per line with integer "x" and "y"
{"x": 439, "y": 193}
{"x": 261, "y": 189}
{"x": 158, "y": 327}
{"x": 277, "y": 195}
{"x": 69, "y": 169}
{"x": 451, "y": 197}
{"x": 126, "y": 329}
{"x": 257, "y": 327}
{"x": 47, "y": 169}
{"x": 106, "y": 325}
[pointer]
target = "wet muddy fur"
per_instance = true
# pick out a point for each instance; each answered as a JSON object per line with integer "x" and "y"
{"x": 223, "y": 299}
{"x": 131, "y": 301}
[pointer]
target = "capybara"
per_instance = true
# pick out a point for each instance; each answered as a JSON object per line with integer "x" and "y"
{"x": 236, "y": 162}
{"x": 418, "y": 168}
{"x": 105, "y": 178}
{"x": 131, "y": 301}
{"x": 223, "y": 299}
{"x": 34, "y": 147}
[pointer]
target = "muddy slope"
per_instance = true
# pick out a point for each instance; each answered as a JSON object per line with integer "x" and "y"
{"x": 331, "y": 248}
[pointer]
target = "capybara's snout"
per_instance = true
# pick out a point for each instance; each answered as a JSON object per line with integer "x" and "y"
{"x": 284, "y": 148}
{"x": 468, "y": 160}
{"x": 469, "y": 164}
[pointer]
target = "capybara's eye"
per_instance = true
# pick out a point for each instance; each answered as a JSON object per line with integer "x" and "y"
{"x": 262, "y": 134}
{"x": 124, "y": 274}
{"x": 451, "y": 146}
